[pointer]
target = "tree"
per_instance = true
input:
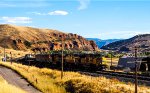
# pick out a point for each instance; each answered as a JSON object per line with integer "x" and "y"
{"x": 27, "y": 43}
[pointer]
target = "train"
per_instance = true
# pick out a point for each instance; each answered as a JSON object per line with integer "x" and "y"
{"x": 71, "y": 61}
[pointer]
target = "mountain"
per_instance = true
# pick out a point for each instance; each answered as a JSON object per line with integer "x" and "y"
{"x": 141, "y": 41}
{"x": 23, "y": 38}
{"x": 101, "y": 43}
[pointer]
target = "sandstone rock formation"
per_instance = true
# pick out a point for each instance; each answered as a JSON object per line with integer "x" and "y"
{"x": 22, "y": 38}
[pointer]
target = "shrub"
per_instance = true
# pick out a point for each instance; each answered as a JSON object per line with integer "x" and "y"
{"x": 27, "y": 43}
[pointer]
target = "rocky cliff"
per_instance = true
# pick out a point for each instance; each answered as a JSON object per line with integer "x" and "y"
{"x": 22, "y": 38}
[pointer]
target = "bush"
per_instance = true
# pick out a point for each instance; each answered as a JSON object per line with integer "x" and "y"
{"x": 109, "y": 55}
{"x": 27, "y": 43}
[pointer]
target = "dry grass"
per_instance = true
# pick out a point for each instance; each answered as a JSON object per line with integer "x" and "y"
{"x": 108, "y": 61}
{"x": 15, "y": 53}
{"x": 37, "y": 77}
{"x": 7, "y": 88}
{"x": 48, "y": 81}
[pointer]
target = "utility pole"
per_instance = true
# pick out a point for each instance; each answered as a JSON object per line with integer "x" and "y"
{"x": 11, "y": 58}
{"x": 4, "y": 59}
{"x": 62, "y": 57}
{"x": 136, "y": 81}
{"x": 111, "y": 58}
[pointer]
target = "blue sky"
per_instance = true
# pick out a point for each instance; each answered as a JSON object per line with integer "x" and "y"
{"x": 107, "y": 19}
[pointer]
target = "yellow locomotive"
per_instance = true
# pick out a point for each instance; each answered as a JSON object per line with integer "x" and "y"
{"x": 88, "y": 61}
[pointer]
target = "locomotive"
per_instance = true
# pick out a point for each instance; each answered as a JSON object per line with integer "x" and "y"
{"x": 84, "y": 61}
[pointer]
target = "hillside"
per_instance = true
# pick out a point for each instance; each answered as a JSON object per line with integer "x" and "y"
{"x": 142, "y": 41}
{"x": 22, "y": 38}
{"x": 100, "y": 43}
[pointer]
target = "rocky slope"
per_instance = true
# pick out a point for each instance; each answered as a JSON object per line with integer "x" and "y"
{"x": 142, "y": 41}
{"x": 22, "y": 38}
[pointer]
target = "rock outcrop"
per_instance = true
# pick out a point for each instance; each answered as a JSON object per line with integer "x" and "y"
{"x": 22, "y": 38}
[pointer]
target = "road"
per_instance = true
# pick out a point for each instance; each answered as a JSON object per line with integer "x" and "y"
{"x": 15, "y": 79}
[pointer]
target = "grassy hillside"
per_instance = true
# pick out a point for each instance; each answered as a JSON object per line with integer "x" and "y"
{"x": 142, "y": 41}
{"x": 23, "y": 38}
{"x": 48, "y": 81}
{"x": 7, "y": 88}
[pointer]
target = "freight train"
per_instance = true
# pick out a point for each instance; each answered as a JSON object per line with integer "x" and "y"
{"x": 71, "y": 61}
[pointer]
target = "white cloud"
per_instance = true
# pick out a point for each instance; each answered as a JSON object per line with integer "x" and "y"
{"x": 16, "y": 19}
{"x": 83, "y": 4}
{"x": 38, "y": 13}
{"x": 115, "y": 34}
{"x": 58, "y": 12}
{"x": 6, "y": 5}
{"x": 24, "y": 3}
{"x": 122, "y": 34}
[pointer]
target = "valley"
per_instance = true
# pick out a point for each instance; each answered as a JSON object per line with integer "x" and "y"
{"x": 74, "y": 46}
{"x": 47, "y": 52}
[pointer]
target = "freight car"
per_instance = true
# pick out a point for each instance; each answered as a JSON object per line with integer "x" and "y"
{"x": 74, "y": 61}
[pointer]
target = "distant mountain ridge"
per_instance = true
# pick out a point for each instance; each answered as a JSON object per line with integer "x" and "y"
{"x": 100, "y": 43}
{"x": 142, "y": 41}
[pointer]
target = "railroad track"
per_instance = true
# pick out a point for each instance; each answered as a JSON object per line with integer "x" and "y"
{"x": 127, "y": 77}
{"x": 117, "y": 75}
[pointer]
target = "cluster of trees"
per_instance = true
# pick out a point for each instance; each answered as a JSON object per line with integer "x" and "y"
{"x": 112, "y": 54}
